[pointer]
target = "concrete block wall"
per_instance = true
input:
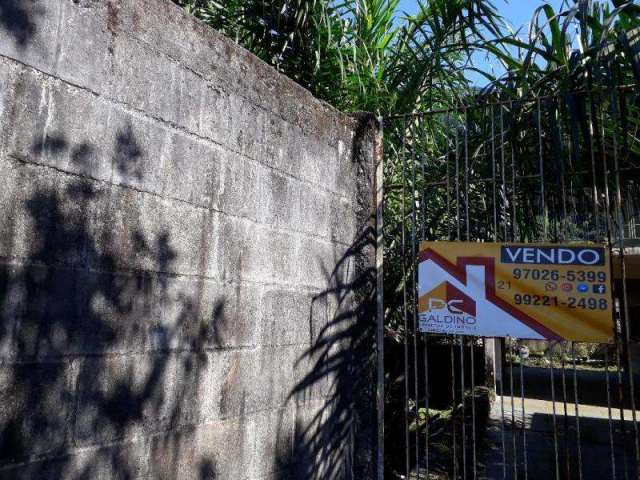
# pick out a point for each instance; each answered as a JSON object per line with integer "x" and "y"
{"x": 185, "y": 255}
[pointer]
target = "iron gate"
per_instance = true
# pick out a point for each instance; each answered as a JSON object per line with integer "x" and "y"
{"x": 549, "y": 169}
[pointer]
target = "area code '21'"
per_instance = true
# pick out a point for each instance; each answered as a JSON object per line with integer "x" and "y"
{"x": 553, "y": 275}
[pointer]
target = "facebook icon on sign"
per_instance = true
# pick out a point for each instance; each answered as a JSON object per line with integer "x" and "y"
{"x": 599, "y": 288}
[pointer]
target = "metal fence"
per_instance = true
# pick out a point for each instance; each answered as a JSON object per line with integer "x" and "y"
{"x": 550, "y": 169}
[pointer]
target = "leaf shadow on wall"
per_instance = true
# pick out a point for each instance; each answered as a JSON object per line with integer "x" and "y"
{"x": 337, "y": 439}
{"x": 89, "y": 344}
{"x": 18, "y": 18}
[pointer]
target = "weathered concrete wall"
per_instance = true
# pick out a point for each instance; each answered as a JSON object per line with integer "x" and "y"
{"x": 185, "y": 255}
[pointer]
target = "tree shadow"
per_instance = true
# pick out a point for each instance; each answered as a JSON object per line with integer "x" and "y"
{"x": 338, "y": 439}
{"x": 17, "y": 18}
{"x": 90, "y": 358}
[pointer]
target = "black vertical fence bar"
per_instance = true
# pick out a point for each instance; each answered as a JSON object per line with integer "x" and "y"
{"x": 625, "y": 303}
{"x": 462, "y": 410}
{"x": 609, "y": 228}
{"x": 466, "y": 173}
{"x": 577, "y": 402}
{"x": 426, "y": 404}
{"x": 592, "y": 154}
{"x": 524, "y": 419}
{"x": 493, "y": 174}
{"x": 555, "y": 426}
{"x": 426, "y": 336}
{"x": 567, "y": 458}
{"x": 611, "y": 215}
{"x": 473, "y": 408}
{"x": 514, "y": 196}
{"x": 414, "y": 304}
{"x": 404, "y": 293}
{"x": 504, "y": 180}
{"x": 514, "y": 428}
{"x": 611, "y": 438}
{"x": 448, "y": 183}
{"x": 503, "y": 187}
{"x": 543, "y": 205}
{"x": 453, "y": 406}
{"x": 457, "y": 179}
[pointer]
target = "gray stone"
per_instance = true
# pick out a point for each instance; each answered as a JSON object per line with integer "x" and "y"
{"x": 35, "y": 398}
{"x": 124, "y": 461}
{"x": 192, "y": 170}
{"x": 145, "y": 80}
{"x": 125, "y": 397}
{"x": 29, "y": 32}
{"x": 238, "y": 187}
{"x": 231, "y": 315}
{"x": 172, "y": 457}
{"x": 278, "y": 197}
{"x": 86, "y": 42}
{"x": 287, "y": 317}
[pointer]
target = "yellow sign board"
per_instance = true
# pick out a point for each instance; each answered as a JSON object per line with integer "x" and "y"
{"x": 529, "y": 291}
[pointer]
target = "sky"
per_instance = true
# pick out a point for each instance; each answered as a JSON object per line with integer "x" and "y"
{"x": 517, "y": 13}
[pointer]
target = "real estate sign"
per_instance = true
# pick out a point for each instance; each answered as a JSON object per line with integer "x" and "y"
{"x": 529, "y": 291}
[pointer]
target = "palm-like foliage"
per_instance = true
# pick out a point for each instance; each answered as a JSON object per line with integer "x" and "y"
{"x": 360, "y": 55}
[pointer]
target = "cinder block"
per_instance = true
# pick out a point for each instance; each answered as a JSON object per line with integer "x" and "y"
{"x": 231, "y": 259}
{"x": 344, "y": 226}
{"x": 129, "y": 396}
{"x": 124, "y": 461}
{"x": 238, "y": 187}
{"x": 147, "y": 232}
{"x": 117, "y": 312}
{"x": 277, "y": 256}
{"x": 274, "y": 377}
{"x": 8, "y": 74}
{"x": 169, "y": 29}
{"x": 287, "y": 317}
{"x": 347, "y": 167}
{"x": 46, "y": 214}
{"x": 223, "y": 449}
{"x": 47, "y": 309}
{"x": 172, "y": 457}
{"x": 145, "y": 80}
{"x": 176, "y": 307}
{"x": 247, "y": 127}
{"x": 27, "y": 106}
{"x": 318, "y": 163}
{"x": 275, "y": 146}
{"x": 29, "y": 32}
{"x": 35, "y": 399}
{"x": 315, "y": 263}
{"x": 273, "y": 440}
{"x": 189, "y": 89}
{"x": 137, "y": 151}
{"x": 279, "y": 197}
{"x": 231, "y": 315}
{"x": 215, "y": 120}
{"x": 312, "y": 213}
{"x": 86, "y": 41}
{"x": 192, "y": 170}
{"x": 221, "y": 385}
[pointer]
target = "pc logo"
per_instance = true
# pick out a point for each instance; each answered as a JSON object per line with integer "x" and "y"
{"x": 582, "y": 288}
{"x": 599, "y": 288}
